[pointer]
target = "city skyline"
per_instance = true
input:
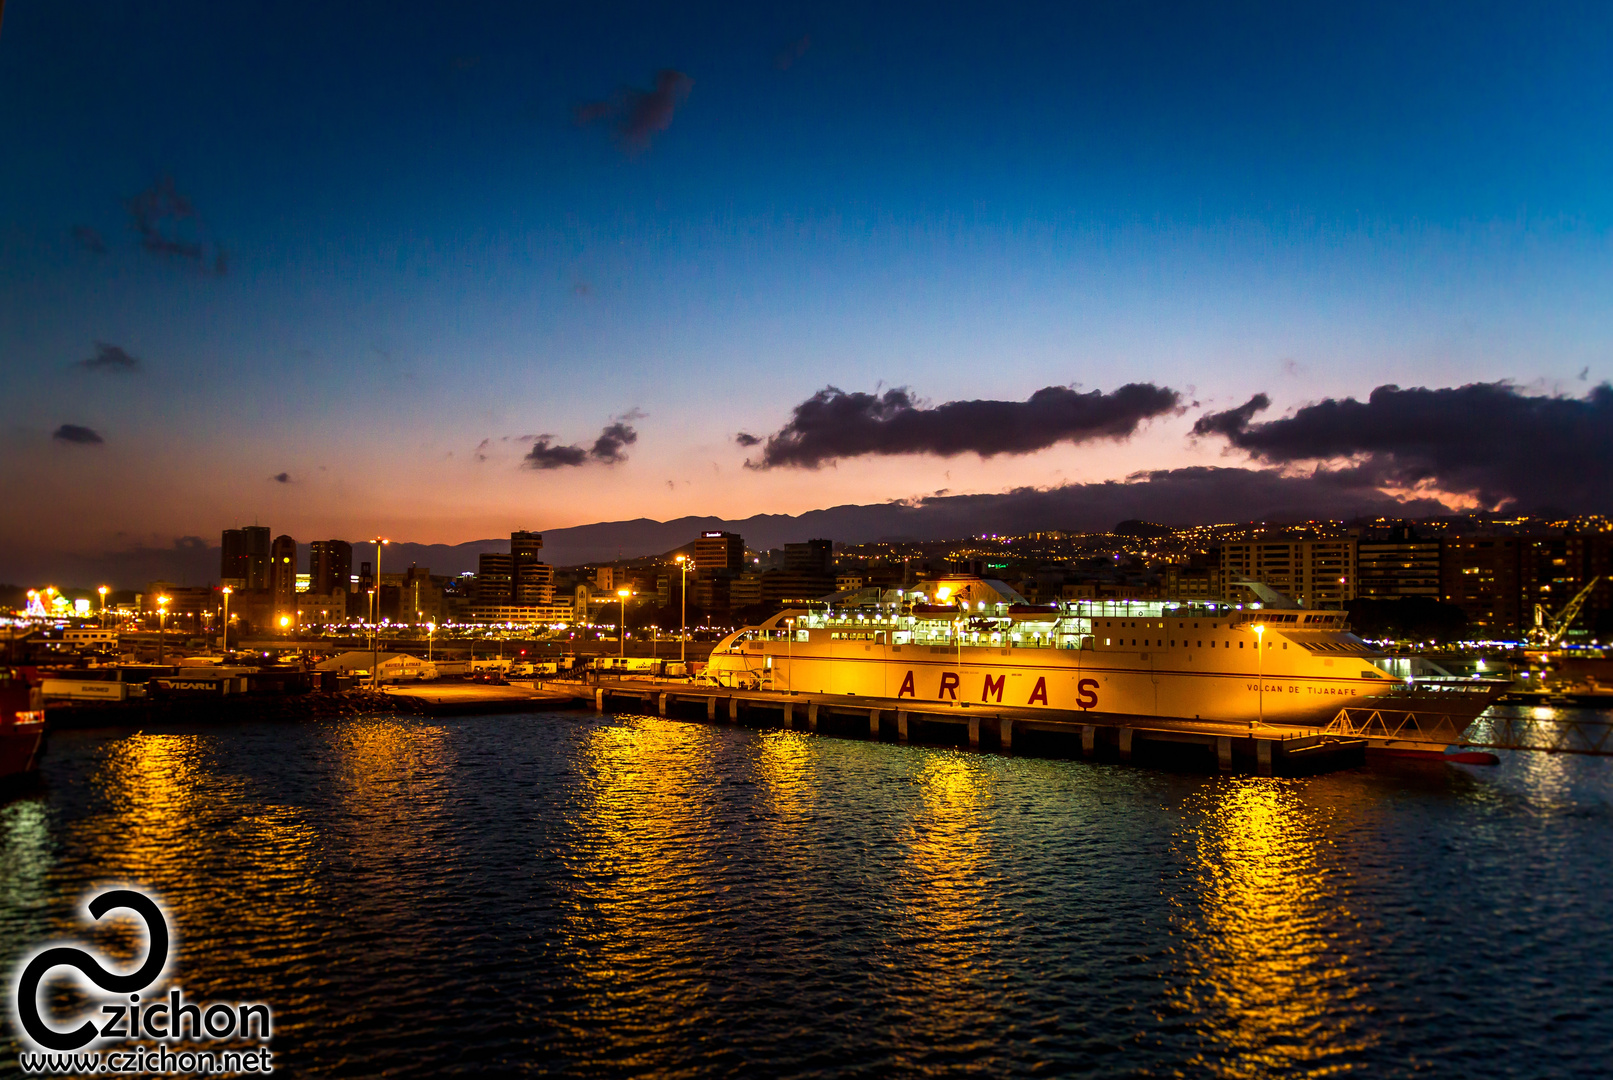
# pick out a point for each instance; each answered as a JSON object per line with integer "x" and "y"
{"x": 437, "y": 278}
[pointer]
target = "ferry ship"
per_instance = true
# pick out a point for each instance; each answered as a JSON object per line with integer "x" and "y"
{"x": 975, "y": 642}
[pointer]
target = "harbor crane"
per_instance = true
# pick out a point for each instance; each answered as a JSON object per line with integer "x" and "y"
{"x": 1548, "y": 631}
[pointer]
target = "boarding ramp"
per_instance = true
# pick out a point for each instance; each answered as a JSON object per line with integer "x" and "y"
{"x": 1564, "y": 731}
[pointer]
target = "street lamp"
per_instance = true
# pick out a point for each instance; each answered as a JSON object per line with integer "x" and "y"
{"x": 621, "y": 630}
{"x": 162, "y": 625}
{"x": 103, "y": 590}
{"x": 431, "y": 637}
{"x": 1260, "y": 670}
{"x": 224, "y": 635}
{"x": 375, "y": 640}
{"x": 683, "y": 613}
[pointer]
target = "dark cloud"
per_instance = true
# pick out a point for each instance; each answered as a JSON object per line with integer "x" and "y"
{"x": 745, "y": 438}
{"x": 617, "y": 437}
{"x": 544, "y": 456}
{"x": 1485, "y": 440}
{"x": 111, "y": 358}
{"x": 1233, "y": 420}
{"x": 168, "y": 226}
{"x": 636, "y": 116}
{"x": 833, "y": 424}
{"x": 72, "y": 433}
{"x": 281, "y": 478}
{"x": 90, "y": 240}
{"x": 608, "y": 449}
{"x": 792, "y": 52}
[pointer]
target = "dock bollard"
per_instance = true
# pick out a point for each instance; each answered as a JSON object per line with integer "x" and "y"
{"x": 901, "y": 724}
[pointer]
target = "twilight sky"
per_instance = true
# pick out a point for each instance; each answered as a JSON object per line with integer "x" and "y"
{"x": 358, "y": 268}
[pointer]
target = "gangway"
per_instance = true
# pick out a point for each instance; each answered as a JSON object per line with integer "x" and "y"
{"x": 1559, "y": 733}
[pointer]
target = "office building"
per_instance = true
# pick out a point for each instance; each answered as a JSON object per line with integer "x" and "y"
{"x": 330, "y": 566}
{"x": 1316, "y": 573}
{"x": 1396, "y": 563}
{"x": 719, "y": 553}
{"x": 531, "y": 579}
{"x": 244, "y": 562}
{"x": 283, "y": 572}
{"x": 1480, "y": 575}
{"x": 811, "y": 557}
{"x": 494, "y": 578}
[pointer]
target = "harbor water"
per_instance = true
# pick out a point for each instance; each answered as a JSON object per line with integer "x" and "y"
{"x": 589, "y": 895}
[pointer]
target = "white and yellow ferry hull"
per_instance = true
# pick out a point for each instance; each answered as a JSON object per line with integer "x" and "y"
{"x": 1143, "y": 683}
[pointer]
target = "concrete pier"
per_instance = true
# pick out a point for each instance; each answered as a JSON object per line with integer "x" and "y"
{"x": 1229, "y": 745}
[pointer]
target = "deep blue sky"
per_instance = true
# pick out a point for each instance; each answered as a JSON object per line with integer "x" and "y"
{"x": 424, "y": 250}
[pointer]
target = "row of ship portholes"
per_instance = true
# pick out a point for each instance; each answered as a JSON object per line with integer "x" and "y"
{"x": 1198, "y": 644}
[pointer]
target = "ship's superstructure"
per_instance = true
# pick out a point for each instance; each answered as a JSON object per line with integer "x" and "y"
{"x": 1139, "y": 658}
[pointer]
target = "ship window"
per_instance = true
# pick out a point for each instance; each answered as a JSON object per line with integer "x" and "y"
{"x": 1134, "y": 641}
{"x": 1285, "y": 644}
{"x": 1173, "y": 643}
{"x": 1240, "y": 644}
{"x": 1200, "y": 645}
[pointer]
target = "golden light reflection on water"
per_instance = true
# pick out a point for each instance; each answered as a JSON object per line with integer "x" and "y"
{"x": 1272, "y": 975}
{"x": 945, "y": 885}
{"x": 159, "y": 830}
{"x": 783, "y": 764}
{"x": 638, "y": 898}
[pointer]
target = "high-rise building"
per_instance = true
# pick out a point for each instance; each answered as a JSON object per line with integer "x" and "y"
{"x": 1480, "y": 575}
{"x": 526, "y": 545}
{"x": 232, "y": 558}
{"x": 531, "y": 579}
{"x": 283, "y": 572}
{"x": 533, "y": 584}
{"x": 719, "y": 552}
{"x": 811, "y": 557}
{"x": 1395, "y": 564}
{"x": 245, "y": 557}
{"x": 330, "y": 566}
{"x": 1317, "y": 573}
{"x": 494, "y": 574}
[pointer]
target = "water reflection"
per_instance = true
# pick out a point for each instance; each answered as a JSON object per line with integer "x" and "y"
{"x": 638, "y": 902}
{"x": 1270, "y": 946}
{"x": 174, "y": 819}
{"x": 945, "y": 925}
